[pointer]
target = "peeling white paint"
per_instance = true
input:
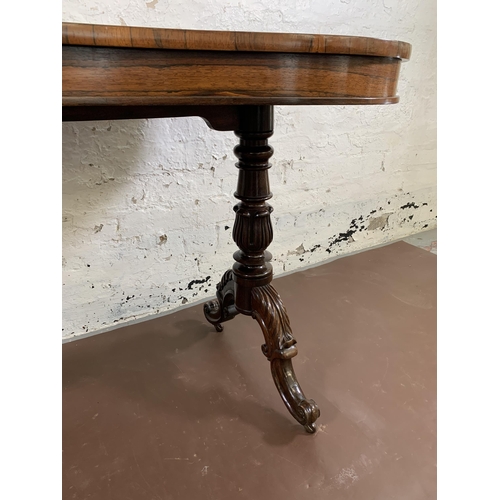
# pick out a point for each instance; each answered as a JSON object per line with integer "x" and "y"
{"x": 147, "y": 204}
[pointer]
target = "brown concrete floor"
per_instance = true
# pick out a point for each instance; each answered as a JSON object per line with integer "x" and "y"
{"x": 170, "y": 409}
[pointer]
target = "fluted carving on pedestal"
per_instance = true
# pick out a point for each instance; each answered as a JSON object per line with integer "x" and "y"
{"x": 252, "y": 229}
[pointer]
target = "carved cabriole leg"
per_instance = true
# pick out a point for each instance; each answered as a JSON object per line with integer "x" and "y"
{"x": 279, "y": 349}
{"x": 247, "y": 289}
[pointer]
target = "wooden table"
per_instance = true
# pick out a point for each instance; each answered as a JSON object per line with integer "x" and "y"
{"x": 232, "y": 80}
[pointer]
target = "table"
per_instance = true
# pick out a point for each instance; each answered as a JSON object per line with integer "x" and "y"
{"x": 232, "y": 80}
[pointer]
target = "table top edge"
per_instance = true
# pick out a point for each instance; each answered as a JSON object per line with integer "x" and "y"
{"x": 101, "y": 35}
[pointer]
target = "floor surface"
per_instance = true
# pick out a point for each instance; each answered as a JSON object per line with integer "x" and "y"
{"x": 426, "y": 240}
{"x": 170, "y": 409}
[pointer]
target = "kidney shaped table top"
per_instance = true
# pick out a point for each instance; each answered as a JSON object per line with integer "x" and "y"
{"x": 232, "y": 80}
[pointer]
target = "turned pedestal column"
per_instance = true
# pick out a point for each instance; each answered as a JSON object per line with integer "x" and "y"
{"x": 247, "y": 287}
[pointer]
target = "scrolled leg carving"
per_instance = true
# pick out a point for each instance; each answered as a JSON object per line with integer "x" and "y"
{"x": 280, "y": 348}
{"x": 222, "y": 308}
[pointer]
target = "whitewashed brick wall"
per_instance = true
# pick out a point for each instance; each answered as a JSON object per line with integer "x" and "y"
{"x": 147, "y": 204}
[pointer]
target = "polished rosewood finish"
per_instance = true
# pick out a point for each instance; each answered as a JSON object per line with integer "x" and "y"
{"x": 117, "y": 66}
{"x": 233, "y": 41}
{"x": 232, "y": 80}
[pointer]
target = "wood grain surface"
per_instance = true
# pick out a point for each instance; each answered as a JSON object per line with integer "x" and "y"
{"x": 239, "y": 41}
{"x": 115, "y": 72}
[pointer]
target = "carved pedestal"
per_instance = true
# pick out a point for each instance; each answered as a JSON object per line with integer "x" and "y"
{"x": 247, "y": 287}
